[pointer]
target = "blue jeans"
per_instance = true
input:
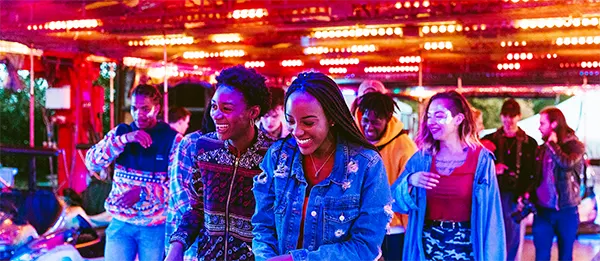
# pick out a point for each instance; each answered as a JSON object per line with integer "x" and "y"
{"x": 549, "y": 222}
{"x": 511, "y": 229}
{"x": 124, "y": 241}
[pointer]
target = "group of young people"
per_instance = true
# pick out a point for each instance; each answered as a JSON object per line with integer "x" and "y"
{"x": 330, "y": 183}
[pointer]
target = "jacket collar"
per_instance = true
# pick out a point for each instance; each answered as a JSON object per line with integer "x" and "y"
{"x": 339, "y": 173}
{"x": 521, "y": 135}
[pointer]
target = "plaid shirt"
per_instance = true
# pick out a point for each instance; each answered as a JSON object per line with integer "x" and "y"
{"x": 179, "y": 199}
{"x": 149, "y": 211}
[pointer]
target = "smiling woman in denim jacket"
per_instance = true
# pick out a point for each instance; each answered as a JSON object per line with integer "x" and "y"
{"x": 449, "y": 189}
{"x": 323, "y": 193}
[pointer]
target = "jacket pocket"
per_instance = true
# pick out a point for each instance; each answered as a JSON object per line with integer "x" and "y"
{"x": 339, "y": 214}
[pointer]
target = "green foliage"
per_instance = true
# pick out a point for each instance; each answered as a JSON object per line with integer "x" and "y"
{"x": 490, "y": 108}
{"x": 14, "y": 127}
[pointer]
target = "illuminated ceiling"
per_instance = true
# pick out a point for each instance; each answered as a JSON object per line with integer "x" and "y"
{"x": 482, "y": 42}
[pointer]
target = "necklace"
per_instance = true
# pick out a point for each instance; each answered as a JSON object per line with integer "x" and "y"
{"x": 323, "y": 165}
{"x": 512, "y": 144}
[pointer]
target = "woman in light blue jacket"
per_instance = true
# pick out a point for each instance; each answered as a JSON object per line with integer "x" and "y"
{"x": 449, "y": 189}
{"x": 323, "y": 193}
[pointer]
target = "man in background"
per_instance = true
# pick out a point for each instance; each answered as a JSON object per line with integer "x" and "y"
{"x": 515, "y": 159}
{"x": 273, "y": 122}
{"x": 385, "y": 131}
{"x": 179, "y": 119}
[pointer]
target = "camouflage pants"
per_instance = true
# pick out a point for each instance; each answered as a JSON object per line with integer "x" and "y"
{"x": 447, "y": 242}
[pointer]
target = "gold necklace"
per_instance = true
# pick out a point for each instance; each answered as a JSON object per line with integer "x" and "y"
{"x": 315, "y": 167}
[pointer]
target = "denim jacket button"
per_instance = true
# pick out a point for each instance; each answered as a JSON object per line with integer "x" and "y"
{"x": 313, "y": 213}
{"x": 342, "y": 218}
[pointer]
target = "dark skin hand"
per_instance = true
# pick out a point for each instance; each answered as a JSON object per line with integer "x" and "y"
{"x": 139, "y": 136}
{"x": 130, "y": 197}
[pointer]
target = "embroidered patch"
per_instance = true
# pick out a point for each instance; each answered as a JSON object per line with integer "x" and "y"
{"x": 262, "y": 178}
{"x": 281, "y": 171}
{"x": 347, "y": 184}
{"x": 339, "y": 233}
{"x": 352, "y": 166}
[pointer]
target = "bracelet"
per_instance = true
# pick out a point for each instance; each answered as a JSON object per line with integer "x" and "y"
{"x": 123, "y": 139}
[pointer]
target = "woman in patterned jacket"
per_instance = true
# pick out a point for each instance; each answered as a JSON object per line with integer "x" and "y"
{"x": 222, "y": 165}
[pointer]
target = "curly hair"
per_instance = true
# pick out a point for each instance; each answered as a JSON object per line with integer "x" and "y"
{"x": 381, "y": 104}
{"x": 250, "y": 83}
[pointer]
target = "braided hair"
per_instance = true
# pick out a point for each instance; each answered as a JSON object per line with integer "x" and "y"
{"x": 381, "y": 104}
{"x": 328, "y": 94}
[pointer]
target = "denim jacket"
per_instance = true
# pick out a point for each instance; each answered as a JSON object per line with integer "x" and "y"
{"x": 487, "y": 223}
{"x": 347, "y": 213}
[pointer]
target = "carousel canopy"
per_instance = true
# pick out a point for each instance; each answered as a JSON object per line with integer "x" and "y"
{"x": 482, "y": 42}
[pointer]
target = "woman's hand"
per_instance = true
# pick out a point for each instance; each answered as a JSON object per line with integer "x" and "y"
{"x": 175, "y": 252}
{"x": 422, "y": 179}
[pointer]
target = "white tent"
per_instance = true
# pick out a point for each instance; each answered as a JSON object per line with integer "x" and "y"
{"x": 583, "y": 115}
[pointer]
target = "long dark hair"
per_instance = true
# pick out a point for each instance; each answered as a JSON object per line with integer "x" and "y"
{"x": 328, "y": 94}
{"x": 467, "y": 130}
{"x": 562, "y": 129}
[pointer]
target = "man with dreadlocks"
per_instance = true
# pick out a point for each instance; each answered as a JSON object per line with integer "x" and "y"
{"x": 386, "y": 133}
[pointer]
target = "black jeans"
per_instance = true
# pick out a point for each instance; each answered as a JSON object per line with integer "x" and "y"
{"x": 392, "y": 247}
{"x": 511, "y": 228}
{"x": 547, "y": 223}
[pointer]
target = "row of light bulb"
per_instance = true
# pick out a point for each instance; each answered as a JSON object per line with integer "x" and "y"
{"x": 358, "y": 32}
{"x": 513, "y": 43}
{"x": 254, "y": 64}
{"x": 581, "y": 40}
{"x": 162, "y": 41}
{"x": 594, "y": 64}
{"x": 338, "y": 70}
{"x": 203, "y": 54}
{"x": 391, "y": 69}
{"x": 67, "y": 25}
{"x": 367, "y": 48}
{"x": 416, "y": 4}
{"x": 339, "y": 61}
{"x": 291, "y": 63}
{"x": 509, "y": 66}
{"x": 248, "y": 13}
{"x": 556, "y": 22}
{"x": 438, "y": 45}
{"x": 409, "y": 59}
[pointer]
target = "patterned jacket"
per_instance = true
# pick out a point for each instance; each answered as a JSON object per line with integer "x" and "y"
{"x": 136, "y": 166}
{"x": 221, "y": 199}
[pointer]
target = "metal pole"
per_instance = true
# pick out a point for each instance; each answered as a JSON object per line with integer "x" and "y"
{"x": 459, "y": 83}
{"x": 111, "y": 74}
{"x": 166, "y": 86}
{"x": 421, "y": 73}
{"x": 32, "y": 174}
{"x": 31, "y": 100}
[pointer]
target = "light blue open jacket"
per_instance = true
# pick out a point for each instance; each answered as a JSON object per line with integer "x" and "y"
{"x": 487, "y": 224}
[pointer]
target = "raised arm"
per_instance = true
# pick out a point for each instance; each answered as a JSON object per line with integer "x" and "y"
{"x": 105, "y": 151}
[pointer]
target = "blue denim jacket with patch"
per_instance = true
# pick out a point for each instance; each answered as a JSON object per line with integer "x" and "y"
{"x": 487, "y": 222}
{"x": 347, "y": 213}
